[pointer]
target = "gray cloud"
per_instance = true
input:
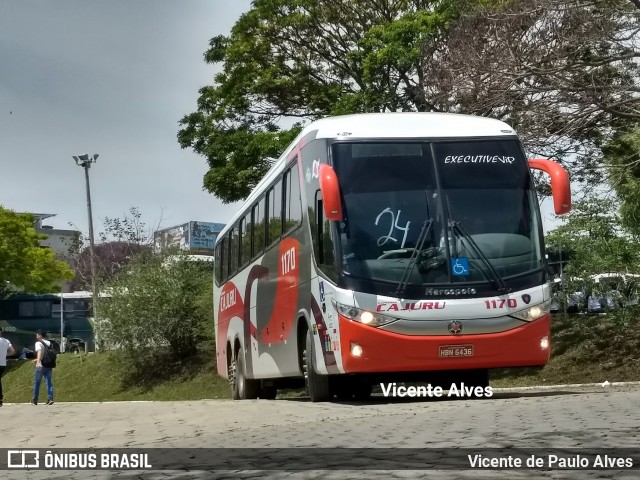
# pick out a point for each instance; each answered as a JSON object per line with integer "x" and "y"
{"x": 110, "y": 77}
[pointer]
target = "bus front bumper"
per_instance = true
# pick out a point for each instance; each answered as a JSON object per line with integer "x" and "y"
{"x": 383, "y": 351}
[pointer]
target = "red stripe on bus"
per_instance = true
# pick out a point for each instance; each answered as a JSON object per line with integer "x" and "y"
{"x": 283, "y": 316}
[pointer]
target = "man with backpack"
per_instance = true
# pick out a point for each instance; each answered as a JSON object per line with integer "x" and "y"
{"x": 5, "y": 349}
{"x": 45, "y": 363}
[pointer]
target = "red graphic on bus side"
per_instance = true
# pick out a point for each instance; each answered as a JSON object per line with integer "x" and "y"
{"x": 283, "y": 316}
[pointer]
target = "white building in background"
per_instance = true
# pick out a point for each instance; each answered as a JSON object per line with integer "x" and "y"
{"x": 65, "y": 243}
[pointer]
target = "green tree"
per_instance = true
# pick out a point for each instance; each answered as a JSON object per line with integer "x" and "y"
{"x": 159, "y": 307}
{"x": 306, "y": 59}
{"x": 564, "y": 74}
{"x": 24, "y": 264}
{"x": 120, "y": 240}
{"x": 623, "y": 161}
{"x": 595, "y": 239}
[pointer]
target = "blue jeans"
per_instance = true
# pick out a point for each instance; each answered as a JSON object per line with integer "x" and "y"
{"x": 46, "y": 373}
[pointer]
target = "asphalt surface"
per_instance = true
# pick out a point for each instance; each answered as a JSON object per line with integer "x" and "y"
{"x": 591, "y": 417}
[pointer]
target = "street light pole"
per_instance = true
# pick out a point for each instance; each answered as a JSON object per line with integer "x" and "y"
{"x": 85, "y": 162}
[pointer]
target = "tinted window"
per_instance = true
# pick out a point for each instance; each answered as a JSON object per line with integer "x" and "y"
{"x": 26, "y": 309}
{"x": 224, "y": 259}
{"x": 293, "y": 211}
{"x": 218, "y": 263}
{"x": 234, "y": 255}
{"x": 323, "y": 246}
{"x": 245, "y": 240}
{"x": 274, "y": 197}
{"x": 394, "y": 192}
{"x": 258, "y": 228}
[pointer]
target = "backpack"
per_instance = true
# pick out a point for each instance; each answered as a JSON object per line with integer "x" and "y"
{"x": 49, "y": 355}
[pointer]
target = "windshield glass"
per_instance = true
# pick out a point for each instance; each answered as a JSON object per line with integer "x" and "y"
{"x": 476, "y": 194}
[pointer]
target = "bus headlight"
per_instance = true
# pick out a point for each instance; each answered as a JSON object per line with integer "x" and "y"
{"x": 533, "y": 313}
{"x": 365, "y": 317}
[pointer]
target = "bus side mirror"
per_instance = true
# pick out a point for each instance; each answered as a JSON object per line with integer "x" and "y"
{"x": 330, "y": 189}
{"x": 560, "y": 186}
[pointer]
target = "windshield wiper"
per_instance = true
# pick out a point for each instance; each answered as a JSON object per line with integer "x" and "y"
{"x": 495, "y": 276}
{"x": 422, "y": 237}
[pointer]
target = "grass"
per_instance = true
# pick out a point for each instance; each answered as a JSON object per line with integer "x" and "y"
{"x": 585, "y": 349}
{"x": 97, "y": 378}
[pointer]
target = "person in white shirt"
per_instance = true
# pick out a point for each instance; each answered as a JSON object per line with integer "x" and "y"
{"x": 42, "y": 371}
{"x": 5, "y": 349}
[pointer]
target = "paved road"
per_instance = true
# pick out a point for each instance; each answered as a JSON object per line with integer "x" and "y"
{"x": 591, "y": 417}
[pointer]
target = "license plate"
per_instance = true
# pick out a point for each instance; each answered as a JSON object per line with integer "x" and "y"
{"x": 452, "y": 351}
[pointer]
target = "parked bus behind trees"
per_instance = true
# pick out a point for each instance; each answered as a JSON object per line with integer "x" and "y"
{"x": 384, "y": 247}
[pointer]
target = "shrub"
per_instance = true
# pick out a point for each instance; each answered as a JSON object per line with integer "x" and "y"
{"x": 160, "y": 308}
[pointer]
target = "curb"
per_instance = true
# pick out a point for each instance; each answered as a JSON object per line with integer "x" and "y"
{"x": 570, "y": 385}
{"x": 495, "y": 390}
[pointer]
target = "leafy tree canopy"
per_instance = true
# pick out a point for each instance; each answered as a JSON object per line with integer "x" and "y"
{"x": 120, "y": 240}
{"x": 623, "y": 159}
{"x": 306, "y": 59}
{"x": 564, "y": 74}
{"x": 24, "y": 264}
{"x": 596, "y": 240}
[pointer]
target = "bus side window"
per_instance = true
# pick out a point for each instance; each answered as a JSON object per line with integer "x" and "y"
{"x": 325, "y": 258}
{"x": 258, "y": 228}
{"x": 234, "y": 251}
{"x": 274, "y": 205}
{"x": 319, "y": 227}
{"x": 224, "y": 259}
{"x": 218, "y": 263}
{"x": 245, "y": 240}
{"x": 292, "y": 201}
{"x": 26, "y": 309}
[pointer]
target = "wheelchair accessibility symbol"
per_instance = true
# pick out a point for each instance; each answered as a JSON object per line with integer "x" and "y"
{"x": 460, "y": 267}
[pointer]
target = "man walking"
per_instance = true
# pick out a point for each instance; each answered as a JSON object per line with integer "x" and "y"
{"x": 42, "y": 370}
{"x": 5, "y": 348}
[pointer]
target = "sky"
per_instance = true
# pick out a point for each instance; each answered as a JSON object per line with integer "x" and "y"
{"x": 111, "y": 77}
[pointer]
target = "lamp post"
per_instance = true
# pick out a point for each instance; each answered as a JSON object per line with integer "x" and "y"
{"x": 62, "y": 342}
{"x": 85, "y": 162}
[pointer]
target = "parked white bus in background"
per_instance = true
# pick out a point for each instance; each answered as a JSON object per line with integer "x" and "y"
{"x": 384, "y": 247}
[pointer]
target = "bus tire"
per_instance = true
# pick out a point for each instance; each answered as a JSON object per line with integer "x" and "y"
{"x": 317, "y": 385}
{"x": 243, "y": 388}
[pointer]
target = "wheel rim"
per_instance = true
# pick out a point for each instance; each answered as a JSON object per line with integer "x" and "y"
{"x": 232, "y": 375}
{"x": 305, "y": 369}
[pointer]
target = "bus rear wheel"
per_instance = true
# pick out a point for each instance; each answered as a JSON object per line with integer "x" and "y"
{"x": 242, "y": 388}
{"x": 317, "y": 385}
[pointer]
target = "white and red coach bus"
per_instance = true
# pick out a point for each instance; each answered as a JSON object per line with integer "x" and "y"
{"x": 383, "y": 247}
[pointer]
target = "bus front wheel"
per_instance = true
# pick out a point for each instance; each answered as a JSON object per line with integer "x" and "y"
{"x": 317, "y": 385}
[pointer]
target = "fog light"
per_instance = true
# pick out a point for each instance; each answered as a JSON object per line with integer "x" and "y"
{"x": 544, "y": 343}
{"x": 356, "y": 350}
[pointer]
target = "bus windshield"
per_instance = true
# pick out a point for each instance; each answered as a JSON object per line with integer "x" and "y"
{"x": 476, "y": 197}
